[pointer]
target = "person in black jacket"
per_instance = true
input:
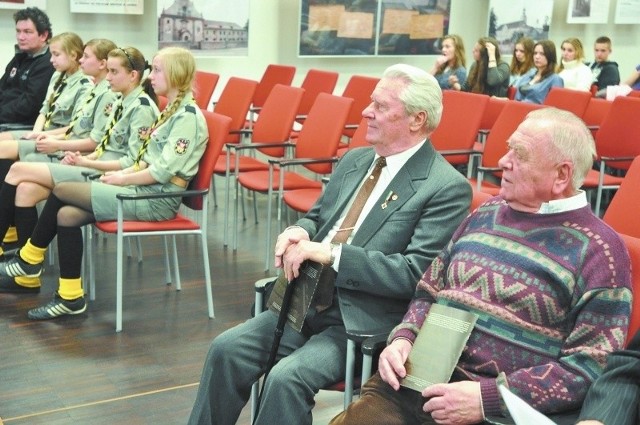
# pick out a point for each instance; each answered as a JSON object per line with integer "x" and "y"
{"x": 614, "y": 398}
{"x": 24, "y": 84}
{"x": 605, "y": 72}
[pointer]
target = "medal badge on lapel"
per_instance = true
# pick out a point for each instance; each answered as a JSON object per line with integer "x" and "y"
{"x": 13, "y": 72}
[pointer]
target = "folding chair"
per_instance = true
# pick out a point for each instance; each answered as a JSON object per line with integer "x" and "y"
{"x": 575, "y": 101}
{"x": 204, "y": 85}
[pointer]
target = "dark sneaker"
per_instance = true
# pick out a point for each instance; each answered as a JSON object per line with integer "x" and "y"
{"x": 58, "y": 307}
{"x": 8, "y": 254}
{"x": 18, "y": 267}
{"x": 9, "y": 286}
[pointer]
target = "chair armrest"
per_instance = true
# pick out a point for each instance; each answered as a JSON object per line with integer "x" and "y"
{"x": 325, "y": 179}
{"x": 239, "y": 147}
{"x": 458, "y": 152}
{"x": 374, "y": 344}
{"x": 255, "y": 109}
{"x": 15, "y": 127}
{"x": 301, "y": 117}
{"x": 361, "y": 336}
{"x": 351, "y": 126}
{"x": 616, "y": 158}
{"x": 489, "y": 169}
{"x": 300, "y": 161}
{"x": 241, "y": 131}
{"x": 55, "y": 155}
{"x": 91, "y": 175}
{"x": 159, "y": 195}
{"x": 484, "y": 131}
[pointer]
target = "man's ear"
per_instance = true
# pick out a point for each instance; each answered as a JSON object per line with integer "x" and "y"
{"x": 419, "y": 120}
{"x": 564, "y": 178}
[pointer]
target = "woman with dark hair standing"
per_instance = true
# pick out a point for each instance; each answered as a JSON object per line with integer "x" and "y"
{"x": 536, "y": 84}
{"x": 488, "y": 74}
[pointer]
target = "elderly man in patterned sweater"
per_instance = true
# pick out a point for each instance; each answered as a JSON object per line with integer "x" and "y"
{"x": 549, "y": 281}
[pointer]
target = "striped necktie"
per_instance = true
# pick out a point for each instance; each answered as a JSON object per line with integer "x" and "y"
{"x": 78, "y": 114}
{"x": 147, "y": 139}
{"x": 57, "y": 91}
{"x": 107, "y": 134}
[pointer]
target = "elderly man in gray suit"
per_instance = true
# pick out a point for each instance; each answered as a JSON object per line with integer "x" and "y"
{"x": 416, "y": 202}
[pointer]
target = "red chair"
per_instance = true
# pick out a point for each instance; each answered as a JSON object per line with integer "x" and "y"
{"x": 617, "y": 145}
{"x": 358, "y": 140}
{"x": 358, "y": 88}
{"x": 575, "y": 101}
{"x": 194, "y": 198}
{"x": 624, "y": 203}
{"x": 496, "y": 145}
{"x": 596, "y": 111}
{"x": 234, "y": 102}
{"x": 273, "y": 75}
{"x": 315, "y": 150}
{"x": 511, "y": 92}
{"x": 634, "y": 93}
{"x": 268, "y": 136}
{"x": 455, "y": 141}
{"x": 314, "y": 83}
{"x": 203, "y": 87}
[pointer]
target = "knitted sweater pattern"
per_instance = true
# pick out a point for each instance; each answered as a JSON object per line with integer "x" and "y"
{"x": 553, "y": 296}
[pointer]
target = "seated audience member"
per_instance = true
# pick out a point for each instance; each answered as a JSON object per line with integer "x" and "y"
{"x": 115, "y": 148}
{"x": 548, "y": 280}
{"x": 167, "y": 159}
{"x": 573, "y": 71}
{"x": 451, "y": 63}
{"x": 23, "y": 86}
{"x": 522, "y": 59}
{"x": 534, "y": 86}
{"x": 412, "y": 211}
{"x": 604, "y": 72}
{"x": 488, "y": 74}
{"x": 66, "y": 87}
{"x": 614, "y": 398}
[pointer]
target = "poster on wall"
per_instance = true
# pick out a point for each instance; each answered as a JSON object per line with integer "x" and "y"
{"x": 206, "y": 27}
{"x": 123, "y": 7}
{"x": 627, "y": 12}
{"x": 21, "y": 4}
{"x": 372, "y": 27}
{"x": 510, "y": 20}
{"x": 588, "y": 12}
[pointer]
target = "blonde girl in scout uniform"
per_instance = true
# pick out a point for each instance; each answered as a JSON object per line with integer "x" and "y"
{"x": 66, "y": 87}
{"x": 168, "y": 159}
{"x": 131, "y": 115}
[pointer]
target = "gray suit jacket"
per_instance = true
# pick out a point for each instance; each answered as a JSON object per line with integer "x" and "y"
{"x": 380, "y": 269}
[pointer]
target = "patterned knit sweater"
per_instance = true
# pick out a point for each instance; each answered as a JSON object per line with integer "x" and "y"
{"x": 553, "y": 296}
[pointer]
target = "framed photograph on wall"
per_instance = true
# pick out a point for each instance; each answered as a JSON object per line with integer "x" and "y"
{"x": 510, "y": 20}
{"x": 206, "y": 27}
{"x": 21, "y": 4}
{"x": 372, "y": 27}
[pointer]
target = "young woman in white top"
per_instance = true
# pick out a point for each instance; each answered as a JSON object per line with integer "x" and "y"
{"x": 573, "y": 71}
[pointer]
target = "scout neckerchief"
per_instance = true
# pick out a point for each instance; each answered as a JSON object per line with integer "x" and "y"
{"x": 107, "y": 134}
{"x": 76, "y": 117}
{"x": 57, "y": 91}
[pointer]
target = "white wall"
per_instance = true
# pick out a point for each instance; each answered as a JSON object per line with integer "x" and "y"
{"x": 273, "y": 37}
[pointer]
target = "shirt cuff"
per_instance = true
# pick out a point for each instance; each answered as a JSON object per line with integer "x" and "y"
{"x": 490, "y": 397}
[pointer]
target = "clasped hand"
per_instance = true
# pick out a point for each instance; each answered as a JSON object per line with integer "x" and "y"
{"x": 293, "y": 247}
{"x": 456, "y": 403}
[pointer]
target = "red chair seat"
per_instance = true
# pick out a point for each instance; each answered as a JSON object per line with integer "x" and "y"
{"x": 258, "y": 181}
{"x": 180, "y": 222}
{"x": 247, "y": 163}
{"x": 301, "y": 200}
{"x": 593, "y": 177}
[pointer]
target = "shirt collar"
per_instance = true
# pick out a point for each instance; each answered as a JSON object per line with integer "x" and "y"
{"x": 396, "y": 161}
{"x": 574, "y": 202}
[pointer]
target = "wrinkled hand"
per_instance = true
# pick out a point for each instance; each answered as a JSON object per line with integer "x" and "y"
{"x": 301, "y": 250}
{"x": 285, "y": 239}
{"x": 116, "y": 178}
{"x": 456, "y": 403}
{"x": 392, "y": 360}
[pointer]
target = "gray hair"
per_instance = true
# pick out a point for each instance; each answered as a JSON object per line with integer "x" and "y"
{"x": 421, "y": 93}
{"x": 571, "y": 139}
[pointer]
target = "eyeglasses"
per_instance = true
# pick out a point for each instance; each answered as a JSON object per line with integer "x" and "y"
{"x": 128, "y": 58}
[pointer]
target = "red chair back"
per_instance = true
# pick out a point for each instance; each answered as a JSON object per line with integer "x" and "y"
{"x": 322, "y": 130}
{"x": 619, "y": 132}
{"x": 273, "y": 74}
{"x": 511, "y": 92}
{"x": 634, "y": 93}
{"x": 234, "y": 102}
{"x": 314, "y": 83}
{"x": 276, "y": 117}
{"x": 218, "y": 128}
{"x": 359, "y": 88}
{"x": 203, "y": 87}
{"x": 596, "y": 111}
{"x": 575, "y": 101}
{"x": 625, "y": 202}
{"x": 358, "y": 140}
{"x": 491, "y": 112}
{"x": 450, "y": 134}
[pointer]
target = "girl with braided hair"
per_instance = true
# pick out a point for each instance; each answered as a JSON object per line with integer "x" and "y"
{"x": 119, "y": 141}
{"x": 67, "y": 85}
{"x": 166, "y": 161}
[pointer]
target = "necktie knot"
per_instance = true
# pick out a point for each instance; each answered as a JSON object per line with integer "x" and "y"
{"x": 381, "y": 162}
